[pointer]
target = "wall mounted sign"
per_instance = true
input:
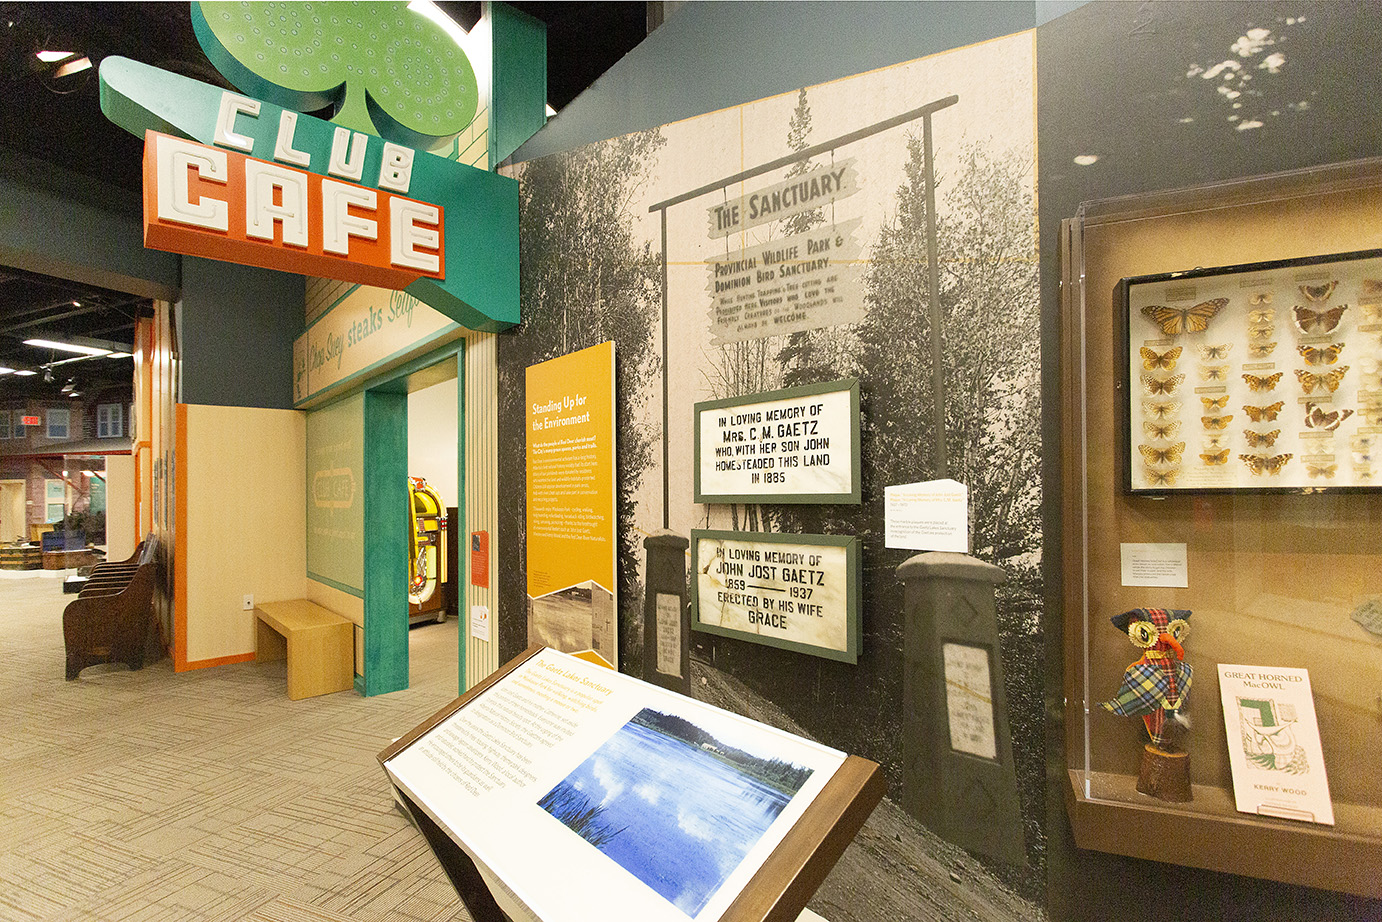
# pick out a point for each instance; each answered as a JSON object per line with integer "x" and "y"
{"x": 30, "y": 421}
{"x": 571, "y": 516}
{"x": 221, "y": 204}
{"x": 368, "y": 327}
{"x": 402, "y": 217}
{"x": 798, "y": 592}
{"x": 799, "y": 445}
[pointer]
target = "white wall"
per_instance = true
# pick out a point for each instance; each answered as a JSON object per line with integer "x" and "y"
{"x": 122, "y": 531}
{"x": 432, "y": 438}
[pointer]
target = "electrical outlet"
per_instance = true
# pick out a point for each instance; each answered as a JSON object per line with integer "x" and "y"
{"x": 249, "y": 601}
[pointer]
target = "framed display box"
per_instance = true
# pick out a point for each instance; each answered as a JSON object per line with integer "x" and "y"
{"x": 1280, "y": 574}
{"x": 1263, "y": 376}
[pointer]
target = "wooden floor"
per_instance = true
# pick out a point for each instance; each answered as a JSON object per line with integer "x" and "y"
{"x": 203, "y": 796}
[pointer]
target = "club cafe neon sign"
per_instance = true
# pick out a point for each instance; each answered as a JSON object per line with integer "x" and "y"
{"x": 254, "y": 181}
{"x": 212, "y": 202}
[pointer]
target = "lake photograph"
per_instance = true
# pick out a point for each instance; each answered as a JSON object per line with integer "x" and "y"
{"x": 673, "y": 805}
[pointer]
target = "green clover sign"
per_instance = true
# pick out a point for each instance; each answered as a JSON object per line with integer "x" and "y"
{"x": 383, "y": 68}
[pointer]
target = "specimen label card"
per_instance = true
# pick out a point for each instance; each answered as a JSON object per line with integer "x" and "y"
{"x": 592, "y": 795}
{"x": 1274, "y": 743}
{"x": 1162, "y": 565}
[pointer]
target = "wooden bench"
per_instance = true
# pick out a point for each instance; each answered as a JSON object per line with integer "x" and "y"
{"x": 318, "y": 644}
{"x": 114, "y": 622}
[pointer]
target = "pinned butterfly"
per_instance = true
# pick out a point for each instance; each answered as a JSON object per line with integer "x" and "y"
{"x": 1174, "y": 321}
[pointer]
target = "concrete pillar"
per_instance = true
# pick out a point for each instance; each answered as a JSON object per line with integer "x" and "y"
{"x": 958, "y": 775}
{"x": 666, "y": 613}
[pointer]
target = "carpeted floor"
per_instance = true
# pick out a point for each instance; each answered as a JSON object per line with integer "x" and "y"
{"x": 207, "y": 795}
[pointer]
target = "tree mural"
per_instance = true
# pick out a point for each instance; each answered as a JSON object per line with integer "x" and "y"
{"x": 584, "y": 280}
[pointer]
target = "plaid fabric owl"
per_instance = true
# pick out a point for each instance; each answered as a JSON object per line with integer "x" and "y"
{"x": 1155, "y": 686}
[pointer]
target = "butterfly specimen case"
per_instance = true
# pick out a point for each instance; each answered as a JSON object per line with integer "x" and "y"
{"x": 1219, "y": 427}
{"x": 1264, "y": 376}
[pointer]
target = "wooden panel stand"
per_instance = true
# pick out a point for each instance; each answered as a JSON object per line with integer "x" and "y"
{"x": 778, "y": 892}
{"x": 318, "y": 644}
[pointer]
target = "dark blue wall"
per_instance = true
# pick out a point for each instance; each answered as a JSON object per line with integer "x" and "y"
{"x": 710, "y": 55}
{"x": 236, "y": 327}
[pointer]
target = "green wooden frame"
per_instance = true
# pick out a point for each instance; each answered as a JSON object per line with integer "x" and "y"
{"x": 852, "y": 575}
{"x": 852, "y": 496}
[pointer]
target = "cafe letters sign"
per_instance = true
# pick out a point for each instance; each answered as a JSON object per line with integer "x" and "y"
{"x": 247, "y": 177}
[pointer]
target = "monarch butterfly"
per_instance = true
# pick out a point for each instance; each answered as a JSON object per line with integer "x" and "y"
{"x": 1321, "y": 355}
{"x": 1308, "y": 320}
{"x": 1216, "y": 422}
{"x": 1315, "y": 418}
{"x": 1214, "y": 372}
{"x": 1169, "y": 455}
{"x": 1176, "y": 320}
{"x": 1261, "y": 463}
{"x": 1329, "y": 381}
{"x": 1318, "y": 293}
{"x": 1152, "y": 360}
{"x": 1260, "y": 350}
{"x": 1215, "y": 353}
{"x": 1157, "y": 478}
{"x": 1160, "y": 409}
{"x": 1217, "y": 457}
{"x": 1264, "y": 439}
{"x": 1259, "y": 317}
{"x": 1214, "y": 403}
{"x": 1266, "y": 383}
{"x": 1321, "y": 470}
{"x": 1156, "y": 386}
{"x": 1268, "y": 413}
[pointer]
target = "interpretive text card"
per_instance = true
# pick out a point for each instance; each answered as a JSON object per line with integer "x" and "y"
{"x": 1274, "y": 743}
{"x": 797, "y": 445}
{"x": 928, "y": 516}
{"x": 794, "y": 591}
{"x": 591, "y": 795}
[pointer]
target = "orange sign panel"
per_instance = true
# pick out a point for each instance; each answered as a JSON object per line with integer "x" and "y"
{"x": 221, "y": 204}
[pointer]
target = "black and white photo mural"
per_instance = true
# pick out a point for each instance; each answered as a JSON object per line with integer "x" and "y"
{"x": 880, "y": 228}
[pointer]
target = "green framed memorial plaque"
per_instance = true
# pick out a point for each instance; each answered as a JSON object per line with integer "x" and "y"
{"x": 799, "y": 445}
{"x": 797, "y": 592}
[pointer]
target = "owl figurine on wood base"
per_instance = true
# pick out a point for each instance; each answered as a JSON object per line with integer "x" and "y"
{"x": 1155, "y": 688}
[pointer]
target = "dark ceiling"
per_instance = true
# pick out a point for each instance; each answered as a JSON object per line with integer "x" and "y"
{"x": 57, "y": 119}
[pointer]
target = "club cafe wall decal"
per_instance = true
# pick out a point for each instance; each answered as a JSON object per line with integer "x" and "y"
{"x": 253, "y": 180}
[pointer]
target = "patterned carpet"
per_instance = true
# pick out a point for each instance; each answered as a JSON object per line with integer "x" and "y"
{"x": 203, "y": 796}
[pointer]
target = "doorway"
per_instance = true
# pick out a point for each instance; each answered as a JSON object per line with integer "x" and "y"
{"x": 13, "y": 529}
{"x": 391, "y": 414}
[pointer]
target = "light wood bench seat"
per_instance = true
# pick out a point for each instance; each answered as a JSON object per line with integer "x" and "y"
{"x": 318, "y": 644}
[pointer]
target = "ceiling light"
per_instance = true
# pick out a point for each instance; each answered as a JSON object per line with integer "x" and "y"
{"x": 75, "y": 394}
{"x": 66, "y": 347}
{"x": 73, "y": 67}
{"x": 6, "y": 371}
{"x": 52, "y": 57}
{"x": 120, "y": 355}
{"x": 24, "y": 373}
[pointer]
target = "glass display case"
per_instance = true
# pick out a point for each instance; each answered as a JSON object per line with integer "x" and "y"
{"x": 1258, "y": 541}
